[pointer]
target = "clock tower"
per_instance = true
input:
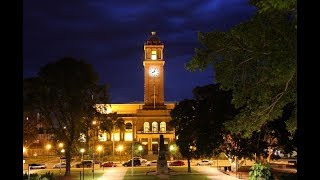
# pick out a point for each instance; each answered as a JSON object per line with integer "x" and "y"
{"x": 153, "y": 73}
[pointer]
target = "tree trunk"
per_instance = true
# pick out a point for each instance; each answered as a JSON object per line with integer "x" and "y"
{"x": 189, "y": 168}
{"x": 68, "y": 159}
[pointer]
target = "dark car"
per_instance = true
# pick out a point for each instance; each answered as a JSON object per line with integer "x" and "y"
{"x": 177, "y": 163}
{"x": 84, "y": 163}
{"x": 136, "y": 162}
{"x": 108, "y": 164}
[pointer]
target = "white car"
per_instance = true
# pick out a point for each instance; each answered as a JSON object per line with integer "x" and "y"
{"x": 151, "y": 163}
{"x": 143, "y": 161}
{"x": 62, "y": 165}
{"x": 37, "y": 166}
{"x": 204, "y": 162}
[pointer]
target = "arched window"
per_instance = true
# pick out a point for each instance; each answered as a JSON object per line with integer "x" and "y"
{"x": 154, "y": 127}
{"x": 146, "y": 127}
{"x": 163, "y": 127}
{"x": 128, "y": 126}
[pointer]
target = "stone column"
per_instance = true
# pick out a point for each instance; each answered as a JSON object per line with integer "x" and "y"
{"x": 150, "y": 146}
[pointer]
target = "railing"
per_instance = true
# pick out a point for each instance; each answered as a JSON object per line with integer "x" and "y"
{"x": 155, "y": 132}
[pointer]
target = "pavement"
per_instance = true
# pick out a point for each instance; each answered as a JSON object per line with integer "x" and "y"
{"x": 211, "y": 172}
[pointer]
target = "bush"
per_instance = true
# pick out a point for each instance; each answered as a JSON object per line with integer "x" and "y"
{"x": 260, "y": 171}
{"x": 47, "y": 176}
{"x": 33, "y": 176}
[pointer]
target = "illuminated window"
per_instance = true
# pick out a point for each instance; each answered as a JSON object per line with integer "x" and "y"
{"x": 116, "y": 136}
{"x": 102, "y": 136}
{"x": 128, "y": 136}
{"x": 154, "y": 127}
{"x": 163, "y": 127}
{"x": 146, "y": 126}
{"x": 153, "y": 55}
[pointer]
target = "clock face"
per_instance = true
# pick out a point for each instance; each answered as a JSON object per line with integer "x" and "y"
{"x": 154, "y": 72}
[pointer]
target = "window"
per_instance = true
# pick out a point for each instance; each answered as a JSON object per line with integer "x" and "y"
{"x": 146, "y": 126}
{"x": 154, "y": 127}
{"x": 153, "y": 55}
{"x": 128, "y": 126}
{"x": 163, "y": 127}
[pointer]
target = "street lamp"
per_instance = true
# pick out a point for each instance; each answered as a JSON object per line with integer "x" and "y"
{"x": 60, "y": 145}
{"x": 120, "y": 148}
{"x": 82, "y": 151}
{"x": 48, "y": 147}
{"x": 99, "y": 148}
{"x": 171, "y": 148}
{"x": 140, "y": 149}
{"x": 62, "y": 151}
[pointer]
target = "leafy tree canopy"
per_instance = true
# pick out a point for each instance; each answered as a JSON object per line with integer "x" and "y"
{"x": 64, "y": 93}
{"x": 257, "y": 61}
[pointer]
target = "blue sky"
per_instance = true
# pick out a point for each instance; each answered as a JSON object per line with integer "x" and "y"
{"x": 110, "y": 36}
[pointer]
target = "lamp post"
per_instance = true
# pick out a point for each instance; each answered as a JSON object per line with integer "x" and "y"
{"x": 48, "y": 147}
{"x": 61, "y": 146}
{"x": 120, "y": 148}
{"x": 62, "y": 151}
{"x": 99, "y": 148}
{"x": 24, "y": 151}
{"x": 140, "y": 149}
{"x": 171, "y": 148}
{"x": 82, "y": 151}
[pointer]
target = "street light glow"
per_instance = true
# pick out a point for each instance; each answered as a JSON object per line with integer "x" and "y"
{"x": 82, "y": 150}
{"x": 99, "y": 148}
{"x": 120, "y": 148}
{"x": 60, "y": 145}
{"x": 171, "y": 148}
{"x": 94, "y": 122}
{"x": 62, "y": 151}
{"x": 24, "y": 149}
{"x": 48, "y": 146}
{"x": 140, "y": 148}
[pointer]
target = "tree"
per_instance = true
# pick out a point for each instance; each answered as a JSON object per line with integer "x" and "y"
{"x": 257, "y": 61}
{"x": 184, "y": 119}
{"x": 199, "y": 122}
{"x": 64, "y": 93}
{"x": 214, "y": 109}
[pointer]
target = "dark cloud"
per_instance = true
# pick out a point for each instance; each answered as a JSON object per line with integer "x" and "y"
{"x": 110, "y": 36}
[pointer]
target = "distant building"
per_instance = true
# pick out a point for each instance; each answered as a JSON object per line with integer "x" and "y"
{"x": 145, "y": 121}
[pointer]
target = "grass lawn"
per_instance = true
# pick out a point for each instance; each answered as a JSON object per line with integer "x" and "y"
{"x": 75, "y": 173}
{"x": 178, "y": 173}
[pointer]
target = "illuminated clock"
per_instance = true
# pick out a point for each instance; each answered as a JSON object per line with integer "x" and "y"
{"x": 154, "y": 72}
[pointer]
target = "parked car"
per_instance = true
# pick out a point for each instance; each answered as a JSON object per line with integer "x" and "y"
{"x": 136, "y": 162}
{"x": 143, "y": 161}
{"x": 177, "y": 163}
{"x": 204, "y": 162}
{"x": 62, "y": 165}
{"x": 37, "y": 166}
{"x": 85, "y": 163}
{"x": 108, "y": 164}
{"x": 97, "y": 162}
{"x": 151, "y": 163}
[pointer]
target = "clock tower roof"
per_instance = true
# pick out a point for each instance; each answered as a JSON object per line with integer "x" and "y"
{"x": 153, "y": 40}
